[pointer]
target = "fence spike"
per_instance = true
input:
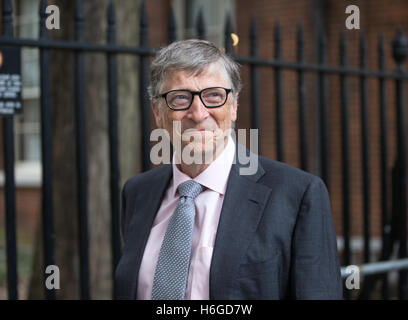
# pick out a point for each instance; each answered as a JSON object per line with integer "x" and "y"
{"x": 200, "y": 25}
{"x": 79, "y": 20}
{"x": 300, "y": 43}
{"x": 42, "y": 7}
{"x": 111, "y": 14}
{"x": 172, "y": 26}
{"x": 277, "y": 40}
{"x": 300, "y": 35}
{"x": 143, "y": 16}
{"x": 276, "y": 30}
{"x": 227, "y": 34}
{"x": 399, "y": 48}
{"x": 79, "y": 11}
{"x": 143, "y": 25}
{"x": 343, "y": 48}
{"x": 363, "y": 51}
{"x": 254, "y": 27}
{"x": 381, "y": 52}
{"x": 321, "y": 46}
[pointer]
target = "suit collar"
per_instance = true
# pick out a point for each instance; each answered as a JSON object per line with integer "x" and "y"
{"x": 144, "y": 212}
{"x": 240, "y": 215}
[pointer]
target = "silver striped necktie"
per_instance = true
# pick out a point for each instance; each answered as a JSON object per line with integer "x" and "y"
{"x": 170, "y": 278}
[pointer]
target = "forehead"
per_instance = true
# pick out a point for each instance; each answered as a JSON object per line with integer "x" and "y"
{"x": 212, "y": 75}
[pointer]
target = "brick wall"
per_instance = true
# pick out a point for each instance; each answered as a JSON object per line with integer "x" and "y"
{"x": 28, "y": 208}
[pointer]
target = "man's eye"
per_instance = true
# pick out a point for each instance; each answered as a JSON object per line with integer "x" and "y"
{"x": 212, "y": 95}
{"x": 181, "y": 97}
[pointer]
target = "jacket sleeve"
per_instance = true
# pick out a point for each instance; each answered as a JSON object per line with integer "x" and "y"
{"x": 123, "y": 215}
{"x": 315, "y": 269}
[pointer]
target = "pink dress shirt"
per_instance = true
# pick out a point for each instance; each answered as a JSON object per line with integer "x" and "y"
{"x": 208, "y": 209}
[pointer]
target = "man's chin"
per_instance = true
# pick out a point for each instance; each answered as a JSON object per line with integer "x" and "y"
{"x": 199, "y": 148}
{"x": 201, "y": 153}
{"x": 190, "y": 134}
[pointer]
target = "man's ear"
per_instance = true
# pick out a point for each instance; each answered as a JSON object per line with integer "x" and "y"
{"x": 157, "y": 114}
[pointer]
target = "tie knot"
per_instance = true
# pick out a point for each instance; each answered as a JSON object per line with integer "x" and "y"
{"x": 190, "y": 189}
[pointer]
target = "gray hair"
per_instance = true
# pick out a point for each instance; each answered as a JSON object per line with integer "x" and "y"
{"x": 192, "y": 55}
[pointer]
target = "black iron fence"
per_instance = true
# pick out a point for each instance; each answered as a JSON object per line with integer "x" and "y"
{"x": 396, "y": 234}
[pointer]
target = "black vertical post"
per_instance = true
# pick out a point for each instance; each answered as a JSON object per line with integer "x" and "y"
{"x": 228, "y": 39}
{"x": 386, "y": 228}
{"x": 227, "y": 35}
{"x": 46, "y": 151}
{"x": 365, "y": 150}
{"x": 113, "y": 141}
{"x": 255, "y": 81}
{"x": 323, "y": 111}
{"x": 82, "y": 174}
{"x": 200, "y": 25}
{"x": 345, "y": 146}
{"x": 278, "y": 95}
{"x": 302, "y": 101}
{"x": 144, "y": 100}
{"x": 172, "y": 26}
{"x": 10, "y": 192}
{"x": 400, "y": 51}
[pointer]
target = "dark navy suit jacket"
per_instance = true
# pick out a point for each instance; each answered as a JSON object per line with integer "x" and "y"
{"x": 275, "y": 238}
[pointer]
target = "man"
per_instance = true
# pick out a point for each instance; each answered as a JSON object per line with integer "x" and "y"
{"x": 201, "y": 229}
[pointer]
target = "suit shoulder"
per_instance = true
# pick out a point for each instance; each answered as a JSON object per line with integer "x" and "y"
{"x": 140, "y": 180}
{"x": 277, "y": 172}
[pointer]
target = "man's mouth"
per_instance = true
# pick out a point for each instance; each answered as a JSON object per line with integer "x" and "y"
{"x": 201, "y": 130}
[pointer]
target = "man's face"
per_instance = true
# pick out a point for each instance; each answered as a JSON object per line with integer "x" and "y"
{"x": 198, "y": 122}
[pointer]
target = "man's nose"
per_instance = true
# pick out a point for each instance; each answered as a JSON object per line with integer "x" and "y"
{"x": 197, "y": 110}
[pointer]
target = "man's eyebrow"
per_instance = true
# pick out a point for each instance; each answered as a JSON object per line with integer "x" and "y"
{"x": 185, "y": 90}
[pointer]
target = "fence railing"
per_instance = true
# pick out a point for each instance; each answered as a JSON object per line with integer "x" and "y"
{"x": 79, "y": 47}
{"x": 377, "y": 267}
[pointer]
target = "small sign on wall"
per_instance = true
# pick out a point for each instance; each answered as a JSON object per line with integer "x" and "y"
{"x": 10, "y": 80}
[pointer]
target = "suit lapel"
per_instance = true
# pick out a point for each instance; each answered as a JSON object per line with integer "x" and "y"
{"x": 146, "y": 206}
{"x": 241, "y": 212}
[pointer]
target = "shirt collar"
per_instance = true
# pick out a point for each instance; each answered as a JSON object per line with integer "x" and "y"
{"x": 214, "y": 177}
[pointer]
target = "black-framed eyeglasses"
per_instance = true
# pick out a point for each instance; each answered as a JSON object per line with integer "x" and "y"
{"x": 182, "y": 99}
